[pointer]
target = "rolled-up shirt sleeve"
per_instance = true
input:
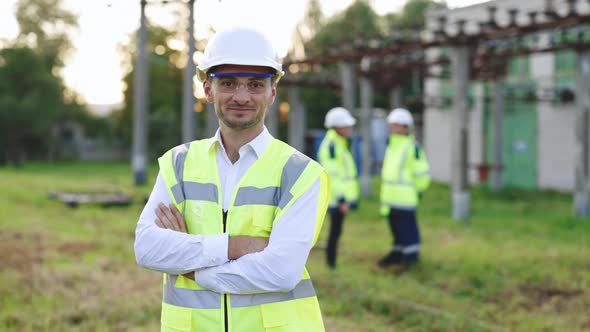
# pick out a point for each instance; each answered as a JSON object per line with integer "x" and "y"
{"x": 170, "y": 251}
{"x": 280, "y": 265}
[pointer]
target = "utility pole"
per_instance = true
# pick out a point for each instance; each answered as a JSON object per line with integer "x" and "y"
{"x": 296, "y": 135}
{"x": 581, "y": 196}
{"x": 395, "y": 97}
{"x": 272, "y": 118}
{"x": 348, "y": 79}
{"x": 212, "y": 120}
{"x": 366, "y": 87}
{"x": 139, "y": 151}
{"x": 460, "y": 190}
{"x": 188, "y": 96}
{"x": 499, "y": 105}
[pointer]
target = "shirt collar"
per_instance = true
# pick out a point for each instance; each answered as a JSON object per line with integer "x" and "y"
{"x": 258, "y": 144}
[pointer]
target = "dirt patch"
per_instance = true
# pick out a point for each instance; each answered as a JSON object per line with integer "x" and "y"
{"x": 21, "y": 251}
{"x": 118, "y": 294}
{"x": 114, "y": 293}
{"x": 542, "y": 294}
{"x": 24, "y": 251}
{"x": 76, "y": 248}
{"x": 369, "y": 257}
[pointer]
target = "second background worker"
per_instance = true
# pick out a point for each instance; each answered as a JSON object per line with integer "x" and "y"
{"x": 405, "y": 176}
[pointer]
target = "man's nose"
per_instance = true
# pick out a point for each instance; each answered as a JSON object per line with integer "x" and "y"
{"x": 241, "y": 94}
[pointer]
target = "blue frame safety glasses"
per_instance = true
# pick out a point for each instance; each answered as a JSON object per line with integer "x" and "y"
{"x": 227, "y": 82}
{"x": 241, "y": 74}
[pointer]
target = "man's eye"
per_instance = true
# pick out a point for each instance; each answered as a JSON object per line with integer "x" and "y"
{"x": 256, "y": 85}
{"x": 227, "y": 84}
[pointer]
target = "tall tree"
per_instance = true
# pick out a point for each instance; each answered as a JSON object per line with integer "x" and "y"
{"x": 314, "y": 17}
{"x": 412, "y": 15}
{"x": 358, "y": 21}
{"x": 311, "y": 24}
{"x": 44, "y": 26}
{"x": 34, "y": 102}
{"x": 31, "y": 99}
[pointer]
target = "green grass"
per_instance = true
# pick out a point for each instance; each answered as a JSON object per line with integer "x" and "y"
{"x": 521, "y": 263}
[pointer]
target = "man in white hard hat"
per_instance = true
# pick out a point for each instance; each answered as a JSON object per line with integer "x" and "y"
{"x": 334, "y": 154}
{"x": 404, "y": 178}
{"x": 231, "y": 219}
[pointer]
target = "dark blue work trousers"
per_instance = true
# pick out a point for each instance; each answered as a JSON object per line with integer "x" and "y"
{"x": 406, "y": 236}
{"x": 336, "y": 221}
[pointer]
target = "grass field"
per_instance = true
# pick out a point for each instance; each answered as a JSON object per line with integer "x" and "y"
{"x": 522, "y": 263}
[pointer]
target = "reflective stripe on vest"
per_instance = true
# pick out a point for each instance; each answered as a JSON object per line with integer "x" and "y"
{"x": 398, "y": 183}
{"x": 275, "y": 196}
{"x": 178, "y": 158}
{"x": 194, "y": 191}
{"x": 421, "y": 174}
{"x": 189, "y": 298}
{"x": 400, "y": 206}
{"x": 303, "y": 289}
{"x": 206, "y": 299}
{"x": 402, "y": 165}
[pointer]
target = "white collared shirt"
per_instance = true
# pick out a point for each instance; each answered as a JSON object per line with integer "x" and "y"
{"x": 277, "y": 268}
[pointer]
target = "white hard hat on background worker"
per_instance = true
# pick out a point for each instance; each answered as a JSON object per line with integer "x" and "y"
{"x": 339, "y": 117}
{"x": 239, "y": 46}
{"x": 400, "y": 116}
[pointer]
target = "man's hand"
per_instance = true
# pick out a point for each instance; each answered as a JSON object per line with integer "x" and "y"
{"x": 242, "y": 245}
{"x": 239, "y": 246}
{"x": 190, "y": 275}
{"x": 170, "y": 218}
{"x": 344, "y": 207}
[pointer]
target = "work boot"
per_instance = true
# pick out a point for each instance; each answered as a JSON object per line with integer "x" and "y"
{"x": 393, "y": 258}
{"x": 405, "y": 266}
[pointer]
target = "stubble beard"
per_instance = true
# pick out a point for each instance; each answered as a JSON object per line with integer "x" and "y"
{"x": 238, "y": 124}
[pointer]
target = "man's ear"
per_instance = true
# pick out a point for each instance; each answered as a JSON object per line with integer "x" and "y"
{"x": 208, "y": 90}
{"x": 273, "y": 92}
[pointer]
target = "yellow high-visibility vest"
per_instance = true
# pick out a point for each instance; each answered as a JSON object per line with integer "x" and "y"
{"x": 404, "y": 174}
{"x": 336, "y": 158}
{"x": 265, "y": 193}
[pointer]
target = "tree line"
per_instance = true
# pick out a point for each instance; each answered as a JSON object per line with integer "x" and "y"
{"x": 35, "y": 103}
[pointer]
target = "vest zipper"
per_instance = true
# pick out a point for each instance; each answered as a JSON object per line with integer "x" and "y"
{"x": 225, "y": 320}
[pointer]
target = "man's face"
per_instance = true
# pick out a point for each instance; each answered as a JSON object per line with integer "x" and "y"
{"x": 344, "y": 131}
{"x": 241, "y": 102}
{"x": 398, "y": 129}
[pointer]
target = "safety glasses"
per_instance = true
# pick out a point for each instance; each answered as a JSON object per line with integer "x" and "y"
{"x": 228, "y": 82}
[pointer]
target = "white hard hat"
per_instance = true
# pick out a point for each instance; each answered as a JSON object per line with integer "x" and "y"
{"x": 400, "y": 116}
{"x": 239, "y": 46}
{"x": 339, "y": 117}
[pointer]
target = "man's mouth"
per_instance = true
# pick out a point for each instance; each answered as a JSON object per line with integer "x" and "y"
{"x": 240, "y": 109}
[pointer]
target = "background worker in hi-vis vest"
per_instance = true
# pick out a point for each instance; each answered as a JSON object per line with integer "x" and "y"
{"x": 404, "y": 177}
{"x": 231, "y": 219}
{"x": 334, "y": 154}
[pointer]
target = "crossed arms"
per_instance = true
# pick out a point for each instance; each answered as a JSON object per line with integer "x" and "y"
{"x": 168, "y": 217}
{"x": 224, "y": 263}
